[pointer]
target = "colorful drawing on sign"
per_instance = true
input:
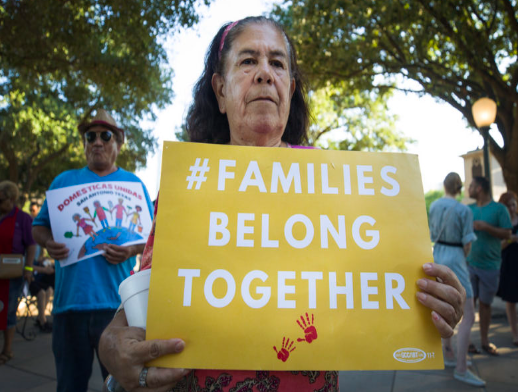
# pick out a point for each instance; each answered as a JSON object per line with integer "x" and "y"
{"x": 135, "y": 218}
{"x": 92, "y": 225}
{"x": 87, "y": 210}
{"x": 119, "y": 211}
{"x": 110, "y": 204}
{"x": 81, "y": 223}
{"x": 100, "y": 239}
{"x": 99, "y": 213}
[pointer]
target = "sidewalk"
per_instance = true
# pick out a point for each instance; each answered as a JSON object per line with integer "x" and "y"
{"x": 32, "y": 369}
{"x": 500, "y": 373}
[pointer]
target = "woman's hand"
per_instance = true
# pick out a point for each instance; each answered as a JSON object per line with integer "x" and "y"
{"x": 124, "y": 352}
{"x": 445, "y": 297}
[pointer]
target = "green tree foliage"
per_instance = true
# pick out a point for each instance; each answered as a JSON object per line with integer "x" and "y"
{"x": 456, "y": 51}
{"x": 346, "y": 116}
{"x": 363, "y": 118}
{"x": 181, "y": 133}
{"x": 60, "y": 60}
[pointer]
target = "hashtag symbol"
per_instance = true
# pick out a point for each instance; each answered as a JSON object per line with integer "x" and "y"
{"x": 198, "y": 173}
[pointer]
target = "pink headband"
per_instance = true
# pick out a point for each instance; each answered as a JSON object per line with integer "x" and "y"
{"x": 222, "y": 43}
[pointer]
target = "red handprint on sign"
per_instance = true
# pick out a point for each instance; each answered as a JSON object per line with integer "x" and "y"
{"x": 308, "y": 328}
{"x": 286, "y": 349}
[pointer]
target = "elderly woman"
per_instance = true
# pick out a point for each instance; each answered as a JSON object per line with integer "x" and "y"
{"x": 15, "y": 238}
{"x": 451, "y": 228}
{"x": 250, "y": 94}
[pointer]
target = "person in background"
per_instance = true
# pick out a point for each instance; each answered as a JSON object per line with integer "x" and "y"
{"x": 15, "y": 238}
{"x": 492, "y": 224}
{"x": 42, "y": 286}
{"x": 451, "y": 229}
{"x": 34, "y": 209}
{"x": 508, "y": 287}
{"x": 86, "y": 294}
{"x": 251, "y": 93}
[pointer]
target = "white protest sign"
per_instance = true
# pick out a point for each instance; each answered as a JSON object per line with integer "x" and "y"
{"x": 88, "y": 217}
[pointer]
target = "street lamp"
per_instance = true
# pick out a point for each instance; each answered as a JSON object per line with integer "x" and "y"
{"x": 484, "y": 114}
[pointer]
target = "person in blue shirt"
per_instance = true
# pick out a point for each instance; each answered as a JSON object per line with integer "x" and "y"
{"x": 86, "y": 292}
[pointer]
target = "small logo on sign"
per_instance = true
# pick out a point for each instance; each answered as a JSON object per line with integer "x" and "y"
{"x": 409, "y": 355}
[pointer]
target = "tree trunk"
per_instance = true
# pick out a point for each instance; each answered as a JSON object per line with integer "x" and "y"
{"x": 509, "y": 163}
{"x": 511, "y": 180}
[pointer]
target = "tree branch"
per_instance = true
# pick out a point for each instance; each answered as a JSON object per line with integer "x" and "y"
{"x": 392, "y": 42}
{"x": 511, "y": 14}
{"x": 321, "y": 132}
{"x": 49, "y": 158}
{"x": 472, "y": 58}
{"x": 11, "y": 159}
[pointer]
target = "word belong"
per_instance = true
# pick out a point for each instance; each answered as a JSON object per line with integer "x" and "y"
{"x": 220, "y": 235}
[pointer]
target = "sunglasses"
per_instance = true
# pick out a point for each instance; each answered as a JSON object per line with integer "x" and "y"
{"x": 105, "y": 136}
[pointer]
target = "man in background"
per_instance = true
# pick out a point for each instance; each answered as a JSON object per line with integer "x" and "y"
{"x": 492, "y": 224}
{"x": 86, "y": 295}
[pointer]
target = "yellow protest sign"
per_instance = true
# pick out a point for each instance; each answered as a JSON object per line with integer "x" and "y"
{"x": 291, "y": 259}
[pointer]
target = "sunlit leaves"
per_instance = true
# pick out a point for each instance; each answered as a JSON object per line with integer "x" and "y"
{"x": 456, "y": 50}
{"x": 347, "y": 115}
{"x": 351, "y": 120}
{"x": 61, "y": 59}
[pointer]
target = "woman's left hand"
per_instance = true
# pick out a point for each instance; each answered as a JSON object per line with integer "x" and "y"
{"x": 445, "y": 296}
{"x": 124, "y": 351}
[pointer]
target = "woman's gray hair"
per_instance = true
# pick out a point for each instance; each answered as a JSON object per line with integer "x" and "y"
{"x": 10, "y": 190}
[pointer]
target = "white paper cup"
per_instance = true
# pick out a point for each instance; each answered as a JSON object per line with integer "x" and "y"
{"x": 134, "y": 292}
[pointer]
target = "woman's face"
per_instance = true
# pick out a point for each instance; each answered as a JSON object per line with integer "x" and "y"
{"x": 256, "y": 88}
{"x": 6, "y": 204}
{"x": 511, "y": 206}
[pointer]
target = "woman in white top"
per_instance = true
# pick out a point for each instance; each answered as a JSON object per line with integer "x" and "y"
{"x": 451, "y": 228}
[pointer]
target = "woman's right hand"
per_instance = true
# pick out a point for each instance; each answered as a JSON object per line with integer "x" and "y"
{"x": 124, "y": 352}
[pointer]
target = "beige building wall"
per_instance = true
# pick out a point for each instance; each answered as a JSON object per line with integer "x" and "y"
{"x": 474, "y": 166}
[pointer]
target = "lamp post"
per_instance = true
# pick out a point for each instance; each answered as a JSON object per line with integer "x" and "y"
{"x": 484, "y": 114}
